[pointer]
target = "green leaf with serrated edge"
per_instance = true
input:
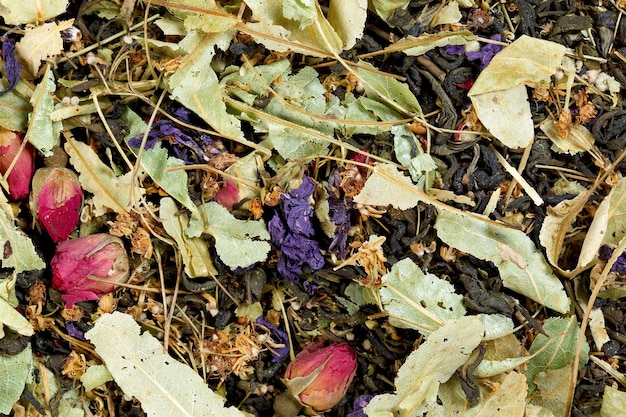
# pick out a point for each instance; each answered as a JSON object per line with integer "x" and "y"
{"x": 256, "y": 80}
{"x": 522, "y": 267}
{"x": 377, "y": 83}
{"x": 239, "y": 243}
{"x": 415, "y": 300}
{"x": 42, "y": 132}
{"x": 18, "y": 12}
{"x": 195, "y": 86}
{"x": 194, "y": 251}
{"x": 613, "y": 402}
{"x": 388, "y": 186}
{"x": 19, "y": 251}
{"x": 212, "y": 19}
{"x": 14, "y": 106}
{"x": 15, "y": 372}
{"x": 117, "y": 193}
{"x": 558, "y": 349}
{"x": 164, "y": 386}
{"x": 433, "y": 363}
{"x": 552, "y": 389}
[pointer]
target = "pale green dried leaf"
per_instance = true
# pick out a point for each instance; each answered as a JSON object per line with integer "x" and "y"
{"x": 164, "y": 386}
{"x": 195, "y": 85}
{"x": 415, "y": 46}
{"x": 527, "y": 61}
{"x": 41, "y": 42}
{"x": 496, "y": 325}
{"x": 14, "y": 106}
{"x": 613, "y": 402}
{"x": 505, "y": 398}
{"x": 255, "y": 81}
{"x": 557, "y": 350}
{"x": 419, "y": 301}
{"x": 212, "y": 19}
{"x": 304, "y": 29}
{"x": 578, "y": 140}
{"x": 386, "y": 8}
{"x": 348, "y": 17}
{"x": 552, "y": 389}
{"x": 15, "y": 372}
{"x": 522, "y": 267}
{"x": 12, "y": 319}
{"x": 377, "y": 84}
{"x": 19, "y": 251}
{"x": 71, "y": 404}
{"x": 449, "y": 14}
{"x": 43, "y": 132}
{"x": 94, "y": 376}
{"x": 488, "y": 368}
{"x": 19, "y": 12}
{"x": 506, "y": 114}
{"x": 110, "y": 192}
{"x": 608, "y": 225}
{"x": 433, "y": 363}
{"x": 294, "y": 144}
{"x": 194, "y": 251}
{"x": 387, "y": 186}
{"x": 239, "y": 243}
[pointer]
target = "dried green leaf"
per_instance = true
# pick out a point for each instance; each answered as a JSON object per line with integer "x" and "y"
{"x": 12, "y": 319}
{"x": 578, "y": 140}
{"x": 433, "y": 363}
{"x": 195, "y": 86}
{"x": 608, "y": 223}
{"x": 557, "y": 350}
{"x": 392, "y": 89}
{"x": 552, "y": 389}
{"x": 40, "y": 43}
{"x": 386, "y": 8}
{"x": 212, "y": 19}
{"x": 348, "y": 17}
{"x": 387, "y": 186}
{"x": 71, "y": 405}
{"x": 15, "y": 371}
{"x": 164, "y": 386}
{"x": 415, "y": 300}
{"x": 522, "y": 267}
{"x": 14, "y": 106}
{"x": 416, "y": 46}
{"x": 449, "y": 14}
{"x": 19, "y": 12}
{"x": 504, "y": 398}
{"x": 18, "y": 250}
{"x": 506, "y": 114}
{"x": 527, "y": 61}
{"x": 613, "y": 402}
{"x": 94, "y": 376}
{"x": 194, "y": 250}
{"x": 117, "y": 193}
{"x": 43, "y": 132}
{"x": 301, "y": 26}
{"x": 239, "y": 243}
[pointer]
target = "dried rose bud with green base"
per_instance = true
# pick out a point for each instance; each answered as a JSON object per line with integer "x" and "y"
{"x": 11, "y": 147}
{"x": 56, "y": 201}
{"x": 317, "y": 379}
{"x": 101, "y": 256}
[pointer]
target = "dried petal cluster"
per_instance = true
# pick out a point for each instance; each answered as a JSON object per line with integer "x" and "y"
{"x": 101, "y": 255}
{"x": 56, "y": 201}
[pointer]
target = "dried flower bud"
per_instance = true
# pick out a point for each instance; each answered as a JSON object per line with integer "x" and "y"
{"x": 228, "y": 195}
{"x": 56, "y": 201}
{"x": 320, "y": 375}
{"x": 101, "y": 256}
{"x": 22, "y": 171}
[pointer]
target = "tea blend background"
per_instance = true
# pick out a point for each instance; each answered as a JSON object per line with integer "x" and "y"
{"x": 422, "y": 201}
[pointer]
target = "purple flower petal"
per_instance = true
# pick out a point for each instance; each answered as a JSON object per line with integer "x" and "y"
{"x": 12, "y": 67}
{"x": 279, "y": 337}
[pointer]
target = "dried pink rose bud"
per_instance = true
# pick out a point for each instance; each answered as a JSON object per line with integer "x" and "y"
{"x": 228, "y": 195}
{"x": 22, "y": 171}
{"x": 56, "y": 201}
{"x": 101, "y": 256}
{"x": 319, "y": 377}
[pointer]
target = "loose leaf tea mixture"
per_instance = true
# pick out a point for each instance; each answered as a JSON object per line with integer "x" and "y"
{"x": 344, "y": 208}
